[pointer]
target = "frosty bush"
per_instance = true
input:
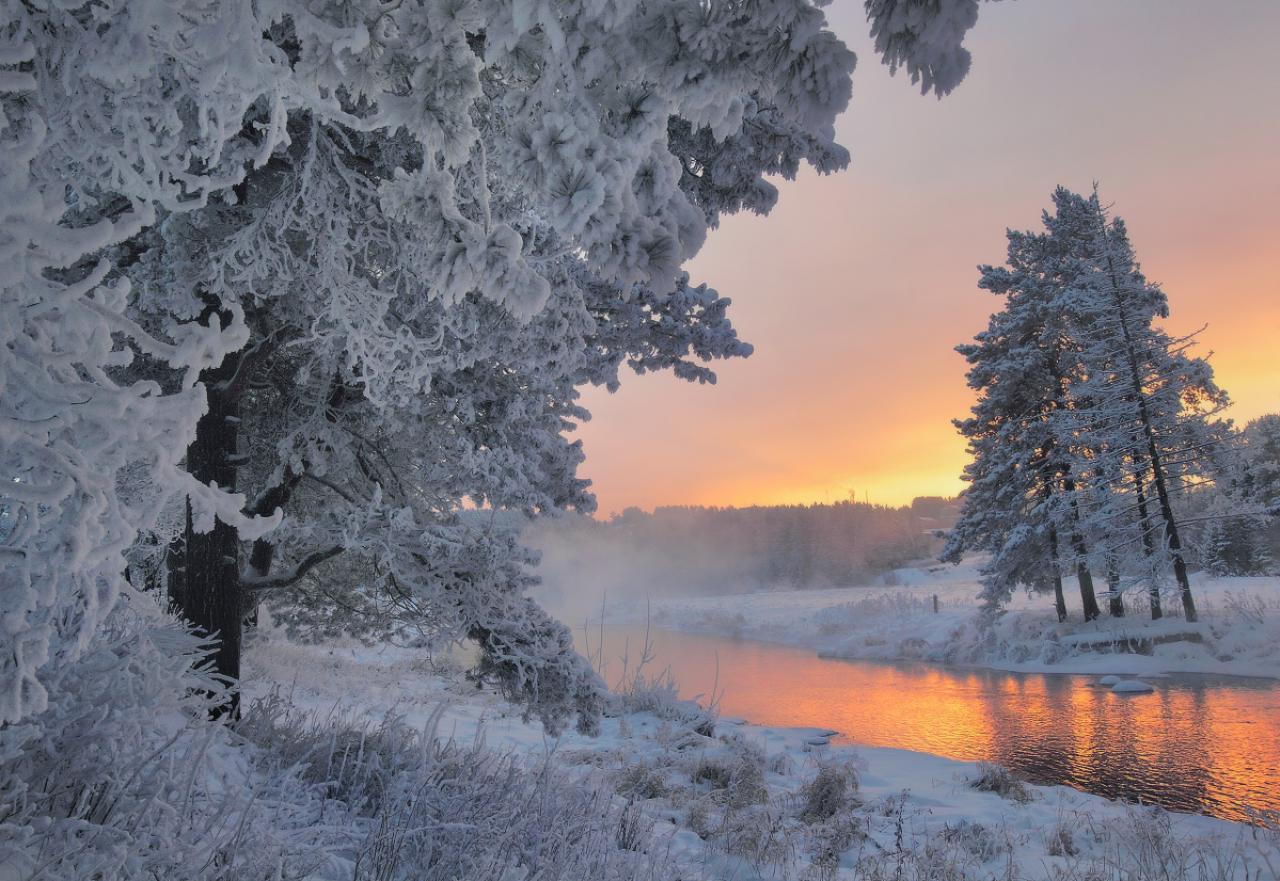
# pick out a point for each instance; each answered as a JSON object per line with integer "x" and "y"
{"x": 427, "y": 808}
{"x": 831, "y": 791}
{"x": 1000, "y": 780}
{"x": 139, "y": 784}
{"x": 122, "y": 776}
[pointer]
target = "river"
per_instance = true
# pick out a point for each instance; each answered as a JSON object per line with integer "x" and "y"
{"x": 1207, "y": 744}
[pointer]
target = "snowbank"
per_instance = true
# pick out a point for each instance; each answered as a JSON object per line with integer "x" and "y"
{"x": 1238, "y": 632}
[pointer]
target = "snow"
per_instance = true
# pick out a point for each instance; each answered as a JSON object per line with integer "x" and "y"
{"x": 1238, "y": 632}
{"x": 1132, "y": 686}
{"x": 906, "y": 806}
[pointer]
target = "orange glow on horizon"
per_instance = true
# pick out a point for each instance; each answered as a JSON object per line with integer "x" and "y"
{"x": 857, "y": 288}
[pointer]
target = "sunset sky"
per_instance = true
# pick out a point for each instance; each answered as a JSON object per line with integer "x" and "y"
{"x": 857, "y": 287}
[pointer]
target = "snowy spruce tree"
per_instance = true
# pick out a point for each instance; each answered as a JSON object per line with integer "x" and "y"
{"x": 1260, "y": 482}
{"x": 1145, "y": 408}
{"x": 1092, "y": 421}
{"x": 1240, "y": 525}
{"x": 1021, "y": 503}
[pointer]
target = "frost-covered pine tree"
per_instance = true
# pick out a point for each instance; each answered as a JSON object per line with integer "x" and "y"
{"x": 1239, "y": 532}
{"x": 1021, "y": 504}
{"x": 1261, "y": 480}
{"x": 465, "y": 278}
{"x": 1081, "y": 387}
{"x": 1143, "y": 406}
{"x": 313, "y": 186}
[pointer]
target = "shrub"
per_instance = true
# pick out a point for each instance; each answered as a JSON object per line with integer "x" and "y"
{"x": 125, "y": 777}
{"x": 1000, "y": 780}
{"x": 830, "y": 792}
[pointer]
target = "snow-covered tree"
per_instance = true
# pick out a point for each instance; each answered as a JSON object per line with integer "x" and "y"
{"x": 1021, "y": 502}
{"x": 368, "y": 202}
{"x": 1145, "y": 409}
{"x": 86, "y": 457}
{"x": 1233, "y": 543}
{"x": 1261, "y": 479}
{"x": 1239, "y": 533}
{"x": 1088, "y": 408}
{"x": 459, "y": 286}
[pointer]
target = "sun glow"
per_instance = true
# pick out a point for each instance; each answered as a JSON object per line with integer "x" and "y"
{"x": 857, "y": 288}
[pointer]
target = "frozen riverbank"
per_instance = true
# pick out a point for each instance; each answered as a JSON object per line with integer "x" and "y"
{"x": 1238, "y": 632}
{"x": 733, "y": 800}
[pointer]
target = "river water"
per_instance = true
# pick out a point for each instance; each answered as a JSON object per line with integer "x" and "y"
{"x": 1207, "y": 744}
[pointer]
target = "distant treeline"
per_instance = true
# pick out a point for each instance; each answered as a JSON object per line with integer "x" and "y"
{"x": 730, "y": 550}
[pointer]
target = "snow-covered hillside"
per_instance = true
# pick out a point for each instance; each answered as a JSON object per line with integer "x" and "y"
{"x": 1238, "y": 633}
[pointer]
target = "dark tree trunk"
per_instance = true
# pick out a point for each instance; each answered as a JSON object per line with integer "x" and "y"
{"x": 1115, "y": 600}
{"x": 1088, "y": 597}
{"x": 1171, "y": 533}
{"x": 1059, "y": 600}
{"x": 1172, "y": 540}
{"x": 1148, "y": 546}
{"x": 207, "y": 589}
{"x": 1046, "y": 492}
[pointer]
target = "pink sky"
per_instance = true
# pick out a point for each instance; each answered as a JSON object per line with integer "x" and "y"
{"x": 858, "y": 286}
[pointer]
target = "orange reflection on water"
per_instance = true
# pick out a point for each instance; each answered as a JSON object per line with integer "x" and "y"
{"x": 1208, "y": 744}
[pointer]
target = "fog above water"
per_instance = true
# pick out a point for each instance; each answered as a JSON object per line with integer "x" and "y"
{"x": 693, "y": 551}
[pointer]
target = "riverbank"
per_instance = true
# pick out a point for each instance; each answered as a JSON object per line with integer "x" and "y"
{"x": 751, "y": 801}
{"x": 1238, "y": 632}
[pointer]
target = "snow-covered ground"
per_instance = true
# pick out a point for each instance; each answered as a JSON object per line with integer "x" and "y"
{"x": 1238, "y": 632}
{"x": 741, "y": 801}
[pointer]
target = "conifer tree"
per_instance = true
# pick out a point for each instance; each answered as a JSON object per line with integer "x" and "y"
{"x": 1146, "y": 407}
{"x": 1021, "y": 501}
{"x": 1088, "y": 407}
{"x": 347, "y": 198}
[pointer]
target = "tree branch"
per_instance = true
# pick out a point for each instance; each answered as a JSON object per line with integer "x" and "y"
{"x": 287, "y": 579}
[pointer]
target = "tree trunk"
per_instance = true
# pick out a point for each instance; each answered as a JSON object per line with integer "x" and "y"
{"x": 1059, "y": 601}
{"x": 207, "y": 590}
{"x": 1148, "y": 545}
{"x": 1115, "y": 601}
{"x": 1088, "y": 598}
{"x": 1172, "y": 539}
{"x": 1171, "y": 534}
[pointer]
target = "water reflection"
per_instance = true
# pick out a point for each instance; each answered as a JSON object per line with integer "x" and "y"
{"x": 1208, "y": 744}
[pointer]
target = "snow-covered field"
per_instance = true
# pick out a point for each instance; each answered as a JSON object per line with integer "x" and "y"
{"x": 726, "y": 799}
{"x": 1238, "y": 632}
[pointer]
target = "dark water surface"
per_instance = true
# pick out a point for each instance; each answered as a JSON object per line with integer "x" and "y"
{"x": 1208, "y": 744}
